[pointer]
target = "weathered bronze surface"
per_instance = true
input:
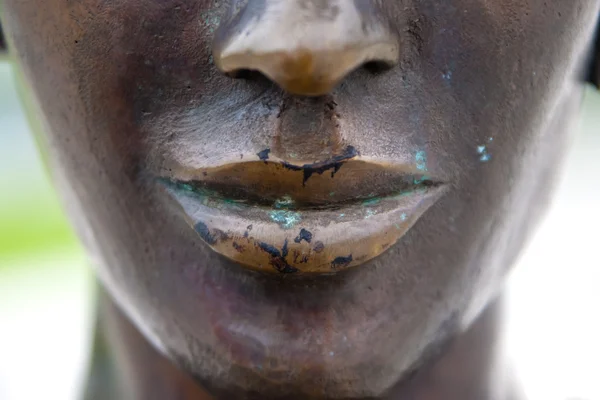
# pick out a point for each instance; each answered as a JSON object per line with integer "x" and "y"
{"x": 303, "y": 199}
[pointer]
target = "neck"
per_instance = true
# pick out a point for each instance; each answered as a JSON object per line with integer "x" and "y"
{"x": 126, "y": 366}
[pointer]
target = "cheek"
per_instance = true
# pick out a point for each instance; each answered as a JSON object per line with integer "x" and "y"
{"x": 135, "y": 60}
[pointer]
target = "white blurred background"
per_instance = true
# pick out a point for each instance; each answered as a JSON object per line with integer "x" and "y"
{"x": 553, "y": 333}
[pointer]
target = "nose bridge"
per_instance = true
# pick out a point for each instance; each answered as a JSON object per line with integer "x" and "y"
{"x": 306, "y": 46}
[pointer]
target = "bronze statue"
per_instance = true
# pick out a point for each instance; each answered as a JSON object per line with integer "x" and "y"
{"x": 302, "y": 199}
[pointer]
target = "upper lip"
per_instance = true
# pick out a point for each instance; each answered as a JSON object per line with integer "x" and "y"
{"x": 332, "y": 183}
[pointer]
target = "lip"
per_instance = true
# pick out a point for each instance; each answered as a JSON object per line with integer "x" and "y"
{"x": 314, "y": 218}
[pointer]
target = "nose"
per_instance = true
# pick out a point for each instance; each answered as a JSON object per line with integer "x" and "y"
{"x": 305, "y": 46}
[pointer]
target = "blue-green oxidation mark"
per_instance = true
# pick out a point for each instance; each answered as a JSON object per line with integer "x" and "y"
{"x": 370, "y": 213}
{"x": 187, "y": 187}
{"x": 403, "y": 217}
{"x": 371, "y": 202}
{"x": 448, "y": 72}
{"x": 285, "y": 202}
{"x": 421, "y": 160}
{"x": 405, "y": 193}
{"x": 418, "y": 181}
{"x": 207, "y": 197}
{"x": 211, "y": 20}
{"x": 484, "y": 155}
{"x": 285, "y": 218}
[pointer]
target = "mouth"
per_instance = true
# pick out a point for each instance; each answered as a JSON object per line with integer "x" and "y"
{"x": 313, "y": 218}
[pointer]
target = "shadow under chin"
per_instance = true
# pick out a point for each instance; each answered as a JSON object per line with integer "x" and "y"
{"x": 319, "y": 384}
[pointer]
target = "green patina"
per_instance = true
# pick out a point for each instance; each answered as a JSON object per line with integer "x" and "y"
{"x": 211, "y": 20}
{"x": 286, "y": 202}
{"x": 371, "y": 202}
{"x": 285, "y": 218}
{"x": 207, "y": 197}
{"x": 421, "y": 161}
{"x": 370, "y": 212}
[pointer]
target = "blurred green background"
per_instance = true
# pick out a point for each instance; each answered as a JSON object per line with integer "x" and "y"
{"x": 46, "y": 287}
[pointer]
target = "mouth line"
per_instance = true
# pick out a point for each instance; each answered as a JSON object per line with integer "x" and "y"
{"x": 304, "y": 186}
{"x": 221, "y": 194}
{"x": 318, "y": 218}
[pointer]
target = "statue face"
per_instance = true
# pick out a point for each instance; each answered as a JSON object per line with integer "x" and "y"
{"x": 317, "y": 226}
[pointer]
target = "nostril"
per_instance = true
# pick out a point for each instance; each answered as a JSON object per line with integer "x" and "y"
{"x": 249, "y": 75}
{"x": 377, "y": 66}
{"x": 245, "y": 73}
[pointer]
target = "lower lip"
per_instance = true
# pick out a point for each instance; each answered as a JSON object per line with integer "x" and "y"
{"x": 282, "y": 240}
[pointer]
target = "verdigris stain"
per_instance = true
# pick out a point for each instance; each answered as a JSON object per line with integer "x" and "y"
{"x": 421, "y": 158}
{"x": 211, "y": 20}
{"x": 484, "y": 155}
{"x": 285, "y": 202}
{"x": 371, "y": 202}
{"x": 285, "y": 218}
{"x": 370, "y": 212}
{"x": 421, "y": 162}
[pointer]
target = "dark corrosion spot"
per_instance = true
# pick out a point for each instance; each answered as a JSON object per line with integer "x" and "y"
{"x": 319, "y": 247}
{"x": 282, "y": 266}
{"x": 341, "y": 262}
{"x": 220, "y": 235}
{"x": 272, "y": 250}
{"x": 264, "y": 155}
{"x": 278, "y": 260}
{"x": 284, "y": 249}
{"x": 239, "y": 248}
{"x": 204, "y": 233}
{"x": 334, "y": 164}
{"x": 304, "y": 235}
